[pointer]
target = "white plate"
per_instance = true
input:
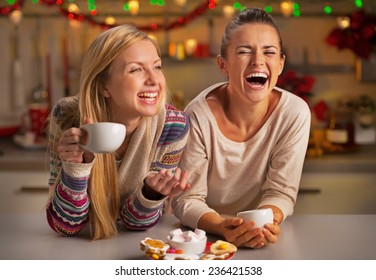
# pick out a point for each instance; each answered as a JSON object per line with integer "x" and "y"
{"x": 20, "y": 140}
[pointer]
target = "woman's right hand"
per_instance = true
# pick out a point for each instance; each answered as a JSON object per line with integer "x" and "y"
{"x": 243, "y": 234}
{"x": 233, "y": 229}
{"x": 69, "y": 148}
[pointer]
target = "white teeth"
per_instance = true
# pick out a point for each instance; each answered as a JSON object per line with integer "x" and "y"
{"x": 260, "y": 75}
{"x": 148, "y": 94}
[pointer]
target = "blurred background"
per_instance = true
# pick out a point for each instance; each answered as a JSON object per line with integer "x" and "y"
{"x": 330, "y": 49}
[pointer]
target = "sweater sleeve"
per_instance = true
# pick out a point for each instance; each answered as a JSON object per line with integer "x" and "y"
{"x": 67, "y": 211}
{"x": 282, "y": 181}
{"x": 138, "y": 212}
{"x": 189, "y": 206}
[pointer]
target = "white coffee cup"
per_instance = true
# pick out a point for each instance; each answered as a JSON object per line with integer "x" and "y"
{"x": 260, "y": 216}
{"x": 104, "y": 137}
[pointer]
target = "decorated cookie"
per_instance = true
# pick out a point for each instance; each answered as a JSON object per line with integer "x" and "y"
{"x": 208, "y": 256}
{"x": 154, "y": 248}
{"x": 221, "y": 247}
{"x": 175, "y": 256}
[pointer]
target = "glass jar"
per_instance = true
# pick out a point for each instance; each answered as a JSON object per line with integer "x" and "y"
{"x": 341, "y": 129}
{"x": 365, "y": 112}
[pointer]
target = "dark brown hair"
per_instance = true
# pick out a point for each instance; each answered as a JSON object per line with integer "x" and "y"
{"x": 251, "y": 15}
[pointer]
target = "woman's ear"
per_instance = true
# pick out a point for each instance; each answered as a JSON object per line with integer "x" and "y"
{"x": 106, "y": 92}
{"x": 221, "y": 64}
{"x": 282, "y": 64}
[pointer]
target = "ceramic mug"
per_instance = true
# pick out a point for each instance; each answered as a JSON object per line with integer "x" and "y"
{"x": 260, "y": 216}
{"x": 38, "y": 115}
{"x": 104, "y": 137}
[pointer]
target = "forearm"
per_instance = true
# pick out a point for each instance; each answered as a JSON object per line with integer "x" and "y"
{"x": 68, "y": 212}
{"x": 211, "y": 222}
{"x": 138, "y": 213}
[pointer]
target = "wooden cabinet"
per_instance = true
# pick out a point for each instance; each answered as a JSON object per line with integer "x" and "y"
{"x": 23, "y": 191}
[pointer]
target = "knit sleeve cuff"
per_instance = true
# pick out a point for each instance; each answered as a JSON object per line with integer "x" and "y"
{"x": 147, "y": 203}
{"x": 77, "y": 170}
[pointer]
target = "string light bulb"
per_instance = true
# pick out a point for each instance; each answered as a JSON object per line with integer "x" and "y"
{"x": 15, "y": 17}
{"x": 286, "y": 7}
{"x": 228, "y": 11}
{"x": 343, "y": 22}
{"x": 134, "y": 7}
{"x": 110, "y": 20}
{"x": 180, "y": 2}
{"x": 73, "y": 8}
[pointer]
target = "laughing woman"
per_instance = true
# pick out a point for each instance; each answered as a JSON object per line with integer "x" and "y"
{"x": 248, "y": 138}
{"x": 121, "y": 81}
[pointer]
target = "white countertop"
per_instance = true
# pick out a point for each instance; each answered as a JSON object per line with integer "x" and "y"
{"x": 304, "y": 237}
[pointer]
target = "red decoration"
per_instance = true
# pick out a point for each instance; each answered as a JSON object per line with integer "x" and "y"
{"x": 321, "y": 110}
{"x": 4, "y": 11}
{"x": 300, "y": 86}
{"x": 360, "y": 36}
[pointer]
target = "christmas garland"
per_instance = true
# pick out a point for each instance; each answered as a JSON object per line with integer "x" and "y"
{"x": 63, "y": 7}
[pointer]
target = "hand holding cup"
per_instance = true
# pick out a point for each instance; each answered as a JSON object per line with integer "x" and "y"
{"x": 261, "y": 217}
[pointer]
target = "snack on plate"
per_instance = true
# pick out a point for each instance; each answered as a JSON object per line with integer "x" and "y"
{"x": 208, "y": 256}
{"x": 175, "y": 256}
{"x": 177, "y": 235}
{"x": 187, "y": 242}
{"x": 222, "y": 247}
{"x": 154, "y": 248}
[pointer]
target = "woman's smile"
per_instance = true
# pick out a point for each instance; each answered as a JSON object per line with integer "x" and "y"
{"x": 149, "y": 98}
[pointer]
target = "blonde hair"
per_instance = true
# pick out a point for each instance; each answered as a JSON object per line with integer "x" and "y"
{"x": 103, "y": 185}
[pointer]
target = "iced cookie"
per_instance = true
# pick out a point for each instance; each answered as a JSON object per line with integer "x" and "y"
{"x": 222, "y": 247}
{"x": 154, "y": 248}
{"x": 214, "y": 257}
{"x": 180, "y": 257}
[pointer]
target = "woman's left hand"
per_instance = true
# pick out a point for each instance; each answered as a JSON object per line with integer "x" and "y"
{"x": 271, "y": 233}
{"x": 164, "y": 183}
{"x": 247, "y": 235}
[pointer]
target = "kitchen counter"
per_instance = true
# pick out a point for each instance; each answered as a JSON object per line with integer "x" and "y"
{"x": 13, "y": 157}
{"x": 16, "y": 158}
{"x": 304, "y": 237}
{"x": 363, "y": 160}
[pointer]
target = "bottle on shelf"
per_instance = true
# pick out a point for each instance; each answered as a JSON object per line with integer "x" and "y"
{"x": 341, "y": 127}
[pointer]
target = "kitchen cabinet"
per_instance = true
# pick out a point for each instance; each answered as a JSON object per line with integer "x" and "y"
{"x": 337, "y": 193}
{"x": 23, "y": 191}
{"x": 331, "y": 184}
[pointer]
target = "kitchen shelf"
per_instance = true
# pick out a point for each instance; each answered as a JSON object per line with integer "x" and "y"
{"x": 306, "y": 68}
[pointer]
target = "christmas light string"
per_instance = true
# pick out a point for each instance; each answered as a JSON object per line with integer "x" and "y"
{"x": 63, "y": 8}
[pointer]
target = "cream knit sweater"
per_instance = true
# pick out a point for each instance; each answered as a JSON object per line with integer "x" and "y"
{"x": 227, "y": 176}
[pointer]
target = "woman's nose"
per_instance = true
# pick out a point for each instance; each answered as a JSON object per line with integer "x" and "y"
{"x": 257, "y": 59}
{"x": 151, "y": 78}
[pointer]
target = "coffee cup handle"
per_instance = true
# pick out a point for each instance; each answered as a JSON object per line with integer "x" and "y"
{"x": 86, "y": 138}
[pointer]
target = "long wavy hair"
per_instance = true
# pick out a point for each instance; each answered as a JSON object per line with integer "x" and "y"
{"x": 103, "y": 188}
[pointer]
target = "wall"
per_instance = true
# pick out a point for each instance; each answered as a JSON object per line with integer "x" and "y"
{"x": 303, "y": 39}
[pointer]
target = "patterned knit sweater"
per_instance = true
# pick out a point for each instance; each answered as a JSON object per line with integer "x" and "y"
{"x": 157, "y": 143}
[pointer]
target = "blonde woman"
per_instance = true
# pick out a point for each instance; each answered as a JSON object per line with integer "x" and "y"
{"x": 121, "y": 81}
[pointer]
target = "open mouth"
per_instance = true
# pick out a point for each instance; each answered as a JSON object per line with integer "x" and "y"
{"x": 257, "y": 79}
{"x": 148, "y": 96}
